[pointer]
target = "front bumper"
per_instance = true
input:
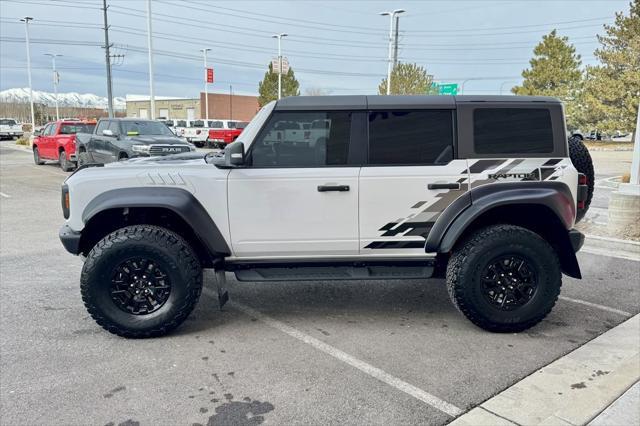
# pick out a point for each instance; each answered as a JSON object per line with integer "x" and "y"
{"x": 70, "y": 239}
{"x": 577, "y": 239}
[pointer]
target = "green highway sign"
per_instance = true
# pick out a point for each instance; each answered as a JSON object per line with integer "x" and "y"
{"x": 447, "y": 88}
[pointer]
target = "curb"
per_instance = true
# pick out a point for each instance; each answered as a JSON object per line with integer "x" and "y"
{"x": 573, "y": 390}
{"x": 612, "y": 246}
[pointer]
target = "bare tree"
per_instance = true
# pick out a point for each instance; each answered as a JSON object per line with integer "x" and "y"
{"x": 316, "y": 91}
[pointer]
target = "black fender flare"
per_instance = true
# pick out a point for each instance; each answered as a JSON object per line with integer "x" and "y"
{"x": 179, "y": 201}
{"x": 462, "y": 213}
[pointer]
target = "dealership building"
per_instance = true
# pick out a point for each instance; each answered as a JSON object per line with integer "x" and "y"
{"x": 221, "y": 106}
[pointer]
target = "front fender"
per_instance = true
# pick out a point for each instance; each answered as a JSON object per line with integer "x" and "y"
{"x": 180, "y": 201}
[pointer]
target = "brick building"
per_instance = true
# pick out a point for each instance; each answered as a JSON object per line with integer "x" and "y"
{"x": 230, "y": 107}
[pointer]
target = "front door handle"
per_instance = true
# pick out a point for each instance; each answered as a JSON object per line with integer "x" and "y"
{"x": 455, "y": 185}
{"x": 326, "y": 188}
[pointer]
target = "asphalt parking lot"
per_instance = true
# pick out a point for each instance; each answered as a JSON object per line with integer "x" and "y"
{"x": 353, "y": 352}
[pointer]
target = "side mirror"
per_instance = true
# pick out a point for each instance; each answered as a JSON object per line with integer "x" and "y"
{"x": 234, "y": 154}
{"x": 107, "y": 132}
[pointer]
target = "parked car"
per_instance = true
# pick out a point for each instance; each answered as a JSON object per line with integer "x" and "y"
{"x": 117, "y": 139}
{"x": 223, "y": 132}
{"x": 482, "y": 190}
{"x": 57, "y": 141}
{"x": 10, "y": 128}
{"x": 197, "y": 132}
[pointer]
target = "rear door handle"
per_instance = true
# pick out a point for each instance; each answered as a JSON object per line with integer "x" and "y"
{"x": 326, "y": 188}
{"x": 455, "y": 185}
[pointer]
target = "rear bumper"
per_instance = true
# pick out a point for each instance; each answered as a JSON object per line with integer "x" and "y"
{"x": 70, "y": 239}
{"x": 577, "y": 239}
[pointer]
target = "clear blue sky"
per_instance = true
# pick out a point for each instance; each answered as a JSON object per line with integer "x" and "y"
{"x": 338, "y": 46}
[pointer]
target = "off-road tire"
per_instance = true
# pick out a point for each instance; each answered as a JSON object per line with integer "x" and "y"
{"x": 36, "y": 156}
{"x": 581, "y": 160}
{"x": 65, "y": 165}
{"x": 472, "y": 255}
{"x": 169, "y": 251}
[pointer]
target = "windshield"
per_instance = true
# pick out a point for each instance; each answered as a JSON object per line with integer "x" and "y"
{"x": 5, "y": 122}
{"x": 252, "y": 129}
{"x": 73, "y": 128}
{"x": 135, "y": 128}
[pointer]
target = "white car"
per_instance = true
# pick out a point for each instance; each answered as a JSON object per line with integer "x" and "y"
{"x": 10, "y": 128}
{"x": 482, "y": 190}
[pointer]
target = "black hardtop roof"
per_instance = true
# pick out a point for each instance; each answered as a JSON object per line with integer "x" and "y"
{"x": 348, "y": 102}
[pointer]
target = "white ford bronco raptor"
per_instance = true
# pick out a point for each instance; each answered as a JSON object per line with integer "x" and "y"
{"x": 484, "y": 191}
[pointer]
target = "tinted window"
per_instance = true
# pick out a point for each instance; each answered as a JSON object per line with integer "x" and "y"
{"x": 512, "y": 131}
{"x": 284, "y": 143}
{"x": 410, "y": 137}
{"x": 181, "y": 123}
{"x": 144, "y": 127}
{"x": 73, "y": 128}
{"x": 102, "y": 125}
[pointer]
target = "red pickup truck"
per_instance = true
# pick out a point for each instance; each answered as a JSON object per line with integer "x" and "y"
{"x": 57, "y": 141}
{"x": 223, "y": 132}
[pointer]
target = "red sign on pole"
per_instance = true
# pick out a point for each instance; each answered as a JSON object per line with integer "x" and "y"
{"x": 209, "y": 75}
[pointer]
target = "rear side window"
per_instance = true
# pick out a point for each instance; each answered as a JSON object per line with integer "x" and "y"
{"x": 410, "y": 137}
{"x": 284, "y": 142}
{"x": 512, "y": 131}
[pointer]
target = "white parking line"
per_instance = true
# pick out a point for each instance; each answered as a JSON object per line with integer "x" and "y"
{"x": 597, "y": 306}
{"x": 2, "y": 194}
{"x": 366, "y": 368}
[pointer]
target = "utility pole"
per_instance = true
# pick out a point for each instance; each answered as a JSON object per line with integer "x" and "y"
{"x": 279, "y": 37}
{"x": 107, "y": 57}
{"x": 56, "y": 80}
{"x": 26, "y": 20}
{"x": 393, "y": 41}
{"x": 206, "y": 87}
{"x": 149, "y": 42}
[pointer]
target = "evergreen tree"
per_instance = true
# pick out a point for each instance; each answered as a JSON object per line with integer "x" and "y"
{"x": 612, "y": 89}
{"x": 407, "y": 79}
{"x": 554, "y": 71}
{"x": 268, "y": 87}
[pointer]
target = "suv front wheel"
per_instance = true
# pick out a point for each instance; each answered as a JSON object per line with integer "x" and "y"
{"x": 504, "y": 278}
{"x": 141, "y": 281}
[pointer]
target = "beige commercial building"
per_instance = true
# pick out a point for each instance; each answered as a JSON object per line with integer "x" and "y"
{"x": 166, "y": 107}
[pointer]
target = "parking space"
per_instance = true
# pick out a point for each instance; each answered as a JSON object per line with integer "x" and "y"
{"x": 352, "y": 352}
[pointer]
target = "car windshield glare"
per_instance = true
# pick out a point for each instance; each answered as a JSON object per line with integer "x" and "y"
{"x": 135, "y": 128}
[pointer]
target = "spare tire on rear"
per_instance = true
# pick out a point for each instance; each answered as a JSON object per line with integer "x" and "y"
{"x": 581, "y": 160}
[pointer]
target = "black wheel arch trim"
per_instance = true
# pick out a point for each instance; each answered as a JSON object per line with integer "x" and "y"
{"x": 462, "y": 213}
{"x": 178, "y": 200}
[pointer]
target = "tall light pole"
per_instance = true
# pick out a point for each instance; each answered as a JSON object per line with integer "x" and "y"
{"x": 149, "y": 42}
{"x": 56, "y": 80}
{"x": 107, "y": 57}
{"x": 206, "y": 87}
{"x": 26, "y": 20}
{"x": 279, "y": 37}
{"x": 393, "y": 40}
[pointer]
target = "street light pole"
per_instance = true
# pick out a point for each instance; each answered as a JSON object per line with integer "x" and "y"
{"x": 206, "y": 87}
{"x": 26, "y": 20}
{"x": 107, "y": 58}
{"x": 149, "y": 42}
{"x": 56, "y": 80}
{"x": 393, "y": 57}
{"x": 279, "y": 37}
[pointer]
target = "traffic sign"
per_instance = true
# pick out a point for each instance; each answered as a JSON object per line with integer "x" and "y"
{"x": 448, "y": 88}
{"x": 209, "y": 75}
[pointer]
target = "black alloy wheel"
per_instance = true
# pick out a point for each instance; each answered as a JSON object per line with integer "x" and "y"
{"x": 139, "y": 286}
{"x": 509, "y": 282}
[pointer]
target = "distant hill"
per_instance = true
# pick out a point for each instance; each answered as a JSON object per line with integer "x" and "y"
{"x": 71, "y": 99}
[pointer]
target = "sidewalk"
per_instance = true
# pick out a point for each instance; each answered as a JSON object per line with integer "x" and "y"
{"x": 575, "y": 389}
{"x": 624, "y": 411}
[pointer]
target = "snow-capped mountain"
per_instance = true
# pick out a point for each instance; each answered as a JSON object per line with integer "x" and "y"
{"x": 71, "y": 99}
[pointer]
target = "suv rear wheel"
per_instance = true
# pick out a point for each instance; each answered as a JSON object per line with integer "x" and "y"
{"x": 141, "y": 281}
{"x": 504, "y": 278}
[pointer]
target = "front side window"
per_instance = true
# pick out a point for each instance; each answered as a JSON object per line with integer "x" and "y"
{"x": 51, "y": 130}
{"x": 284, "y": 142}
{"x": 102, "y": 125}
{"x": 512, "y": 131}
{"x": 410, "y": 137}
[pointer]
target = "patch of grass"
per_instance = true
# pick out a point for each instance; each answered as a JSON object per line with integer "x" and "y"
{"x": 22, "y": 141}
{"x": 609, "y": 145}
